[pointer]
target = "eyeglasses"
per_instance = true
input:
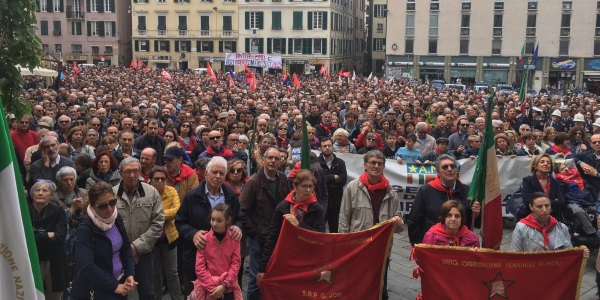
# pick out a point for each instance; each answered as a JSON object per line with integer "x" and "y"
{"x": 446, "y": 167}
{"x": 159, "y": 179}
{"x": 212, "y": 138}
{"x": 307, "y": 186}
{"x": 95, "y": 124}
{"x": 595, "y": 142}
{"x": 236, "y": 170}
{"x": 525, "y": 129}
{"x": 371, "y": 139}
{"x": 63, "y": 122}
{"x": 464, "y": 124}
{"x": 185, "y": 125}
{"x": 104, "y": 206}
{"x": 577, "y": 133}
{"x": 376, "y": 163}
{"x": 130, "y": 172}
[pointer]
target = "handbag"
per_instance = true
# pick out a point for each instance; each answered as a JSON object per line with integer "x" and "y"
{"x": 67, "y": 294}
{"x": 516, "y": 205}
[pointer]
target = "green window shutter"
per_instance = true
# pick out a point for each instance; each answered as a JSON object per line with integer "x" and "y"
{"x": 220, "y": 46}
{"x": 168, "y": 48}
{"x": 227, "y": 24}
{"x": 183, "y": 23}
{"x": 269, "y": 46}
{"x": 290, "y": 46}
{"x": 49, "y": 6}
{"x": 89, "y": 28}
{"x": 204, "y": 23}
{"x": 189, "y": 46}
{"x": 61, "y": 6}
{"x": 211, "y": 46}
{"x": 100, "y": 27}
{"x": 137, "y": 46}
{"x": 324, "y": 46}
{"x": 276, "y": 20}
{"x": 324, "y": 14}
{"x": 247, "y": 15}
{"x": 155, "y": 46}
{"x": 233, "y": 47}
{"x": 198, "y": 45}
{"x": 88, "y": 5}
{"x": 100, "y": 6}
{"x": 297, "y": 20}
{"x": 44, "y": 27}
{"x": 310, "y": 20}
{"x": 247, "y": 45}
{"x": 261, "y": 45}
{"x": 261, "y": 19}
{"x": 176, "y": 46}
{"x": 283, "y": 46}
{"x": 112, "y": 6}
{"x": 114, "y": 28}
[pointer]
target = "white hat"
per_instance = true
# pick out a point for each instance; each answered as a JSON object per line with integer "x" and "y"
{"x": 557, "y": 113}
{"x": 597, "y": 113}
{"x": 597, "y": 123}
{"x": 578, "y": 118}
{"x": 537, "y": 109}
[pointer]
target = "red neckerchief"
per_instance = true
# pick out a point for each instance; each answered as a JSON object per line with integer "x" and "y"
{"x": 327, "y": 128}
{"x": 441, "y": 230}
{"x": 546, "y": 186}
{"x": 437, "y": 184}
{"x": 533, "y": 223}
{"x": 557, "y": 150}
{"x": 283, "y": 143}
{"x": 382, "y": 184}
{"x": 291, "y": 198}
{"x": 225, "y": 154}
{"x": 344, "y": 144}
{"x": 437, "y": 151}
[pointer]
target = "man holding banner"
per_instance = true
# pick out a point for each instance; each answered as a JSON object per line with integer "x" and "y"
{"x": 370, "y": 199}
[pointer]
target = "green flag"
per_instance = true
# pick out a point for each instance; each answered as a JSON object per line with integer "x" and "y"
{"x": 305, "y": 150}
{"x": 20, "y": 278}
{"x": 251, "y": 148}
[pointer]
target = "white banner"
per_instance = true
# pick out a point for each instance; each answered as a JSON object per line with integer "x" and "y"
{"x": 408, "y": 178}
{"x": 253, "y": 60}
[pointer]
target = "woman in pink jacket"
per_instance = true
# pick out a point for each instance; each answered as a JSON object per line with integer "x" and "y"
{"x": 451, "y": 230}
{"x": 218, "y": 263}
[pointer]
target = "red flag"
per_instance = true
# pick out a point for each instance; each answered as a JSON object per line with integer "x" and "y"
{"x": 327, "y": 75}
{"x": 340, "y": 72}
{"x": 147, "y": 69}
{"x": 140, "y": 63}
{"x": 210, "y": 72}
{"x": 347, "y": 74}
{"x": 165, "y": 75}
{"x": 498, "y": 275}
{"x": 253, "y": 82}
{"x": 322, "y": 70}
{"x": 296, "y": 81}
{"x": 75, "y": 68}
{"x": 332, "y": 272}
{"x": 133, "y": 65}
{"x": 231, "y": 82}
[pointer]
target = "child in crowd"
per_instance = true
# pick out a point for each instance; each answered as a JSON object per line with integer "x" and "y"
{"x": 408, "y": 153}
{"x": 218, "y": 263}
{"x": 391, "y": 145}
{"x": 576, "y": 192}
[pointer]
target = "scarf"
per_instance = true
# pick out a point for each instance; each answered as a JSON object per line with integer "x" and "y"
{"x": 382, "y": 184}
{"x": 327, "y": 128}
{"x": 533, "y": 223}
{"x": 437, "y": 184}
{"x": 441, "y": 230}
{"x": 291, "y": 198}
{"x": 437, "y": 150}
{"x": 103, "y": 224}
{"x": 558, "y": 150}
{"x": 225, "y": 154}
{"x": 344, "y": 144}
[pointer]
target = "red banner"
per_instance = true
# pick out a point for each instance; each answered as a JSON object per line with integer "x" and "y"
{"x": 312, "y": 265}
{"x": 466, "y": 273}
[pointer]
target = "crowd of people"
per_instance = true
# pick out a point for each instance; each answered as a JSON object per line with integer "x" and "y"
{"x": 141, "y": 185}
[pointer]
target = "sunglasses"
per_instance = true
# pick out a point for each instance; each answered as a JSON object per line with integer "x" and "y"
{"x": 159, "y": 179}
{"x": 63, "y": 122}
{"x": 104, "y": 206}
{"x": 446, "y": 167}
{"x": 212, "y": 138}
{"x": 185, "y": 125}
{"x": 235, "y": 170}
{"x": 371, "y": 139}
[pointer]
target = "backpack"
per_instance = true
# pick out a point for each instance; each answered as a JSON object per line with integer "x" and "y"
{"x": 516, "y": 205}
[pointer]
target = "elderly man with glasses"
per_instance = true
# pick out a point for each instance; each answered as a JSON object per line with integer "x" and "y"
{"x": 216, "y": 147}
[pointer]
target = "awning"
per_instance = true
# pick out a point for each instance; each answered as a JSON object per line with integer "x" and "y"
{"x": 591, "y": 73}
{"x": 161, "y": 61}
{"x": 37, "y": 72}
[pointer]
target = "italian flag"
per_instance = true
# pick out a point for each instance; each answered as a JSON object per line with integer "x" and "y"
{"x": 20, "y": 276}
{"x": 485, "y": 186}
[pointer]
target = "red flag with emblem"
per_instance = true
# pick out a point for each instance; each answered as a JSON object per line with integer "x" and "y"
{"x": 210, "y": 72}
{"x": 165, "y": 75}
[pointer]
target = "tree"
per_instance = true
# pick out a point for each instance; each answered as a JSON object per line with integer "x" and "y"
{"x": 19, "y": 45}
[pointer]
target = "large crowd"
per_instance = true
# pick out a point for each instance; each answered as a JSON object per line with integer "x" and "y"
{"x": 140, "y": 185}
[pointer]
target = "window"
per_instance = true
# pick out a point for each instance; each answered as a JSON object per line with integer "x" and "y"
{"x": 56, "y": 6}
{"x": 163, "y": 46}
{"x": 76, "y": 28}
{"x": 598, "y": 24}
{"x": 565, "y": 25}
{"x": 496, "y": 47}
{"x": 529, "y": 47}
{"x": 144, "y": 46}
{"x": 466, "y": 4}
{"x": 58, "y": 48}
{"x": 76, "y": 48}
{"x": 597, "y": 48}
{"x": 497, "y": 30}
{"x": 433, "y": 46}
{"x": 380, "y": 10}
{"x": 465, "y": 21}
{"x": 45, "y": 48}
{"x": 255, "y": 45}
{"x": 378, "y": 44}
{"x": 317, "y": 19}
{"x": 94, "y": 5}
{"x": 532, "y": 5}
{"x": 43, "y": 5}
{"x": 254, "y": 20}
{"x": 410, "y": 5}
{"x": 107, "y": 6}
{"x": 276, "y": 45}
{"x": 276, "y": 20}
{"x": 182, "y": 25}
{"x": 227, "y": 26}
{"x": 43, "y": 27}
{"x": 464, "y": 47}
{"x": 142, "y": 23}
{"x": 56, "y": 31}
{"x": 434, "y": 5}
{"x": 567, "y": 5}
{"x": 531, "y": 24}
{"x": 95, "y": 49}
{"x": 410, "y": 25}
{"x": 563, "y": 48}
{"x": 297, "y": 20}
{"x": 297, "y": 46}
{"x": 433, "y": 25}
{"x": 409, "y": 46}
{"x": 228, "y": 46}
{"x": 162, "y": 25}
{"x": 204, "y": 25}
{"x": 317, "y": 46}
{"x": 109, "y": 29}
{"x": 380, "y": 27}
{"x": 184, "y": 46}
{"x": 499, "y": 4}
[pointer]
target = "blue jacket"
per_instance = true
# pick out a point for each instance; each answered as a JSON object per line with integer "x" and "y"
{"x": 93, "y": 263}
{"x": 532, "y": 185}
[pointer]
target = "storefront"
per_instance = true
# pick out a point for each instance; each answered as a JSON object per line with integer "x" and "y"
{"x": 102, "y": 60}
{"x": 297, "y": 66}
{"x": 591, "y": 75}
{"x": 78, "y": 59}
{"x": 562, "y": 74}
{"x": 463, "y": 70}
{"x": 217, "y": 63}
{"x": 496, "y": 70}
{"x": 315, "y": 65}
{"x": 533, "y": 72}
{"x": 400, "y": 66}
{"x": 161, "y": 62}
{"x": 432, "y": 68}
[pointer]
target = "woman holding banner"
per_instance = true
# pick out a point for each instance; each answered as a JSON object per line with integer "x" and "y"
{"x": 451, "y": 230}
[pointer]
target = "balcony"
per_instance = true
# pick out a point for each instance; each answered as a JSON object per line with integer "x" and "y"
{"x": 162, "y": 32}
{"x": 466, "y": 5}
{"x": 75, "y": 15}
{"x": 565, "y": 32}
{"x": 175, "y": 33}
{"x": 227, "y": 33}
{"x": 497, "y": 32}
{"x": 204, "y": 32}
{"x": 141, "y": 32}
{"x": 183, "y": 33}
{"x": 530, "y": 31}
{"x": 465, "y": 31}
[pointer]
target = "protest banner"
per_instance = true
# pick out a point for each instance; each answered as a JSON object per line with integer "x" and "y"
{"x": 467, "y": 273}
{"x": 330, "y": 269}
{"x": 253, "y": 60}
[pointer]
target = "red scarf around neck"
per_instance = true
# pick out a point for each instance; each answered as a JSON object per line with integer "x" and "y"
{"x": 327, "y": 128}
{"x": 299, "y": 205}
{"x": 382, "y": 184}
{"x": 437, "y": 184}
{"x": 533, "y": 223}
{"x": 441, "y": 230}
{"x": 558, "y": 150}
{"x": 225, "y": 154}
{"x": 437, "y": 150}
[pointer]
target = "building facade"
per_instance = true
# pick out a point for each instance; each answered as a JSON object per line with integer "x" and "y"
{"x": 85, "y": 31}
{"x": 182, "y": 34}
{"x": 307, "y": 35}
{"x": 376, "y": 36}
{"x": 482, "y": 40}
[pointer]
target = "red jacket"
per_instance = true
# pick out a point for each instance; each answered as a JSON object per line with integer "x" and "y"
{"x": 218, "y": 259}
{"x": 469, "y": 239}
{"x": 362, "y": 141}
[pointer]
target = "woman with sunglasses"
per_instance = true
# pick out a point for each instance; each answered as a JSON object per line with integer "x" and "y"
{"x": 50, "y": 229}
{"x": 579, "y": 141}
{"x": 187, "y": 138}
{"x": 115, "y": 122}
{"x": 104, "y": 264}
{"x": 237, "y": 175}
{"x": 165, "y": 249}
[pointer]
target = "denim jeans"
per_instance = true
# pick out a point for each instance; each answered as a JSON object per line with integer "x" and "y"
{"x": 255, "y": 258}
{"x": 165, "y": 262}
{"x": 144, "y": 275}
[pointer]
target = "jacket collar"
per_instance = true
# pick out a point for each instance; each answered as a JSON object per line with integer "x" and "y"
{"x": 140, "y": 190}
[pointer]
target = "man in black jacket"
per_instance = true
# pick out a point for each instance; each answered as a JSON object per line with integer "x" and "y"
{"x": 588, "y": 164}
{"x": 335, "y": 179}
{"x": 152, "y": 140}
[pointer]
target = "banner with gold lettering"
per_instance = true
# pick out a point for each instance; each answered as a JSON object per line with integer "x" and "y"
{"x": 466, "y": 273}
{"x": 313, "y": 265}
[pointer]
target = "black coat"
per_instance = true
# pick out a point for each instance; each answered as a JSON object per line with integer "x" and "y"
{"x": 51, "y": 218}
{"x": 592, "y": 183}
{"x": 158, "y": 144}
{"x": 194, "y": 215}
{"x": 335, "y": 188}
{"x": 531, "y": 185}
{"x": 93, "y": 261}
{"x": 313, "y": 220}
